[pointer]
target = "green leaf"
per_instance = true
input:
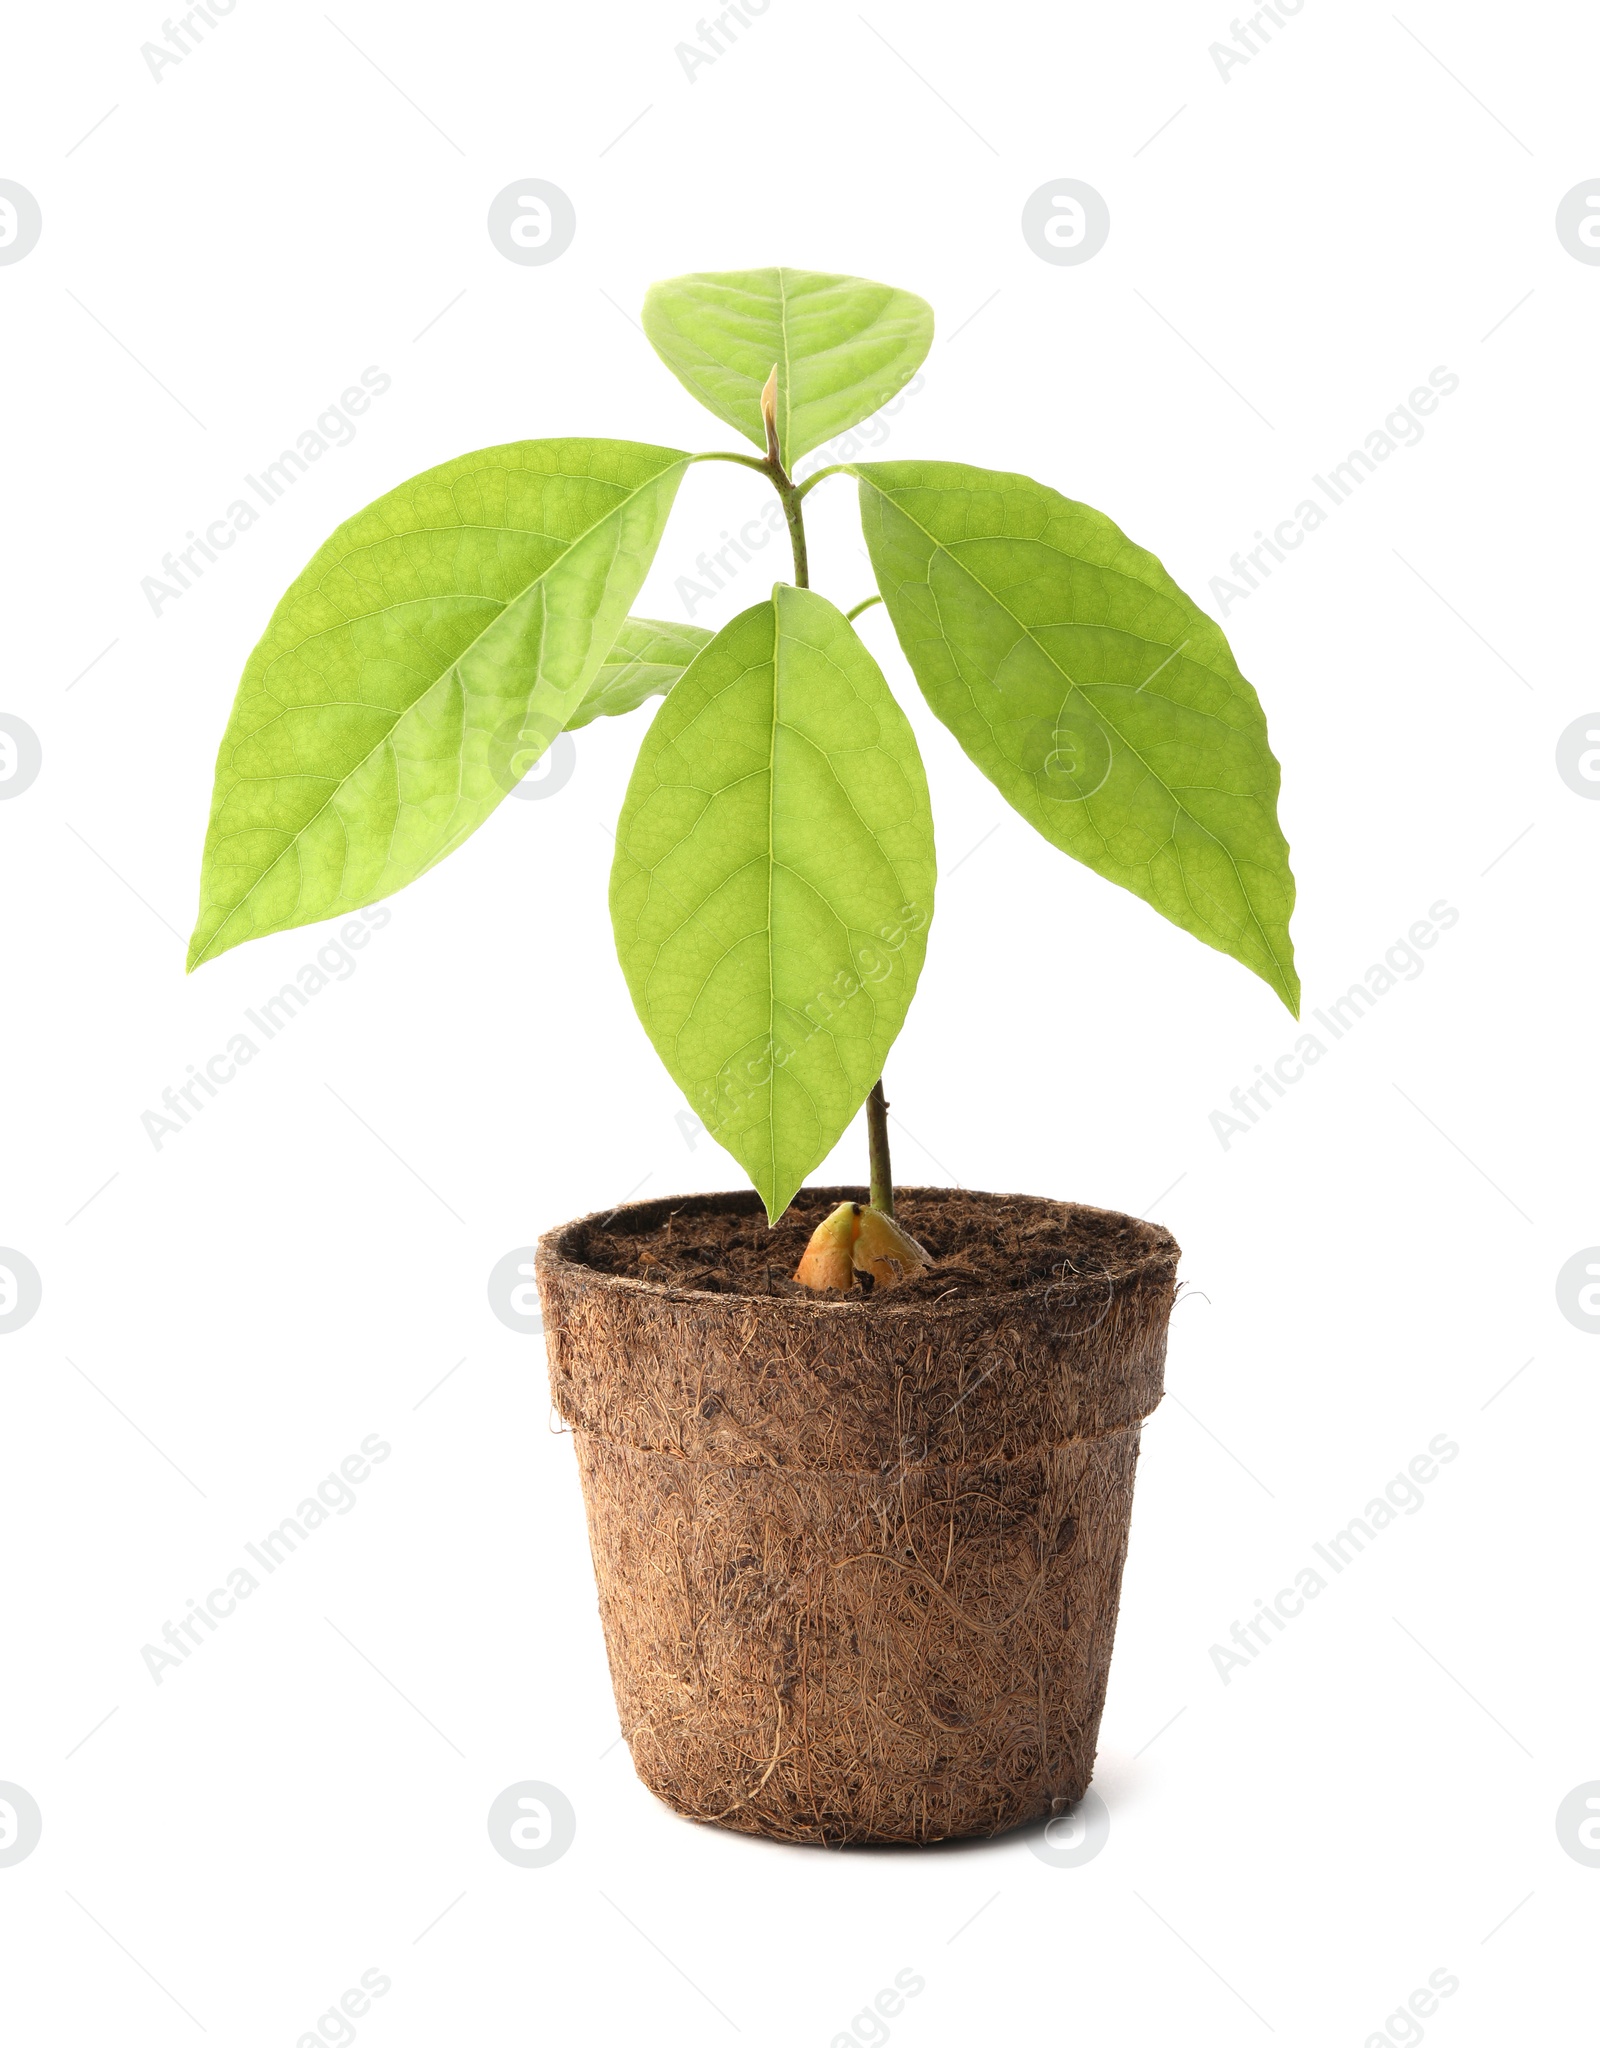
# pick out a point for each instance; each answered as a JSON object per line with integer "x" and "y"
{"x": 1098, "y": 698}
{"x": 646, "y": 659}
{"x": 773, "y": 884}
{"x": 424, "y": 658}
{"x": 843, "y": 345}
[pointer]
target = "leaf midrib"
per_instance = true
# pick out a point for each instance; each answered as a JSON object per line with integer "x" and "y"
{"x": 788, "y": 396}
{"x": 695, "y": 913}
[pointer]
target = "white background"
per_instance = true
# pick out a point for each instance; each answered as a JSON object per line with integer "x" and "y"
{"x": 1372, "y": 1798}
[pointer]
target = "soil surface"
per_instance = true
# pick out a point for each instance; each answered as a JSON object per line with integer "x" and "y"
{"x": 980, "y": 1244}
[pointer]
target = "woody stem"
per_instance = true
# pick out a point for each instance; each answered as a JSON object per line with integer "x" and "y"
{"x": 878, "y": 1149}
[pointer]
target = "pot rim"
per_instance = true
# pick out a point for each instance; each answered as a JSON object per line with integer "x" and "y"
{"x": 1161, "y": 1250}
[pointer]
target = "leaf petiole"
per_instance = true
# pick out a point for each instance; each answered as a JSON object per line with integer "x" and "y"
{"x": 771, "y": 467}
{"x": 756, "y": 462}
{"x": 833, "y": 469}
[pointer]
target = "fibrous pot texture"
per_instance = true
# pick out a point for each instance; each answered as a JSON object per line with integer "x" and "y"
{"x": 859, "y": 1559}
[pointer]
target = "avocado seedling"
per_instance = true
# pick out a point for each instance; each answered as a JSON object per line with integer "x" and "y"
{"x": 773, "y": 884}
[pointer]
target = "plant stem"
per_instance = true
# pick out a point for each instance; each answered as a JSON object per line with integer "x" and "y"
{"x": 789, "y": 495}
{"x": 797, "y": 527}
{"x": 882, "y": 1196}
{"x": 882, "y": 1193}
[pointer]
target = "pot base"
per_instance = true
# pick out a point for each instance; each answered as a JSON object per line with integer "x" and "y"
{"x": 852, "y": 1657}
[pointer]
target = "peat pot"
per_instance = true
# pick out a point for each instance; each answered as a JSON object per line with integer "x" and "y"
{"x": 859, "y": 1558}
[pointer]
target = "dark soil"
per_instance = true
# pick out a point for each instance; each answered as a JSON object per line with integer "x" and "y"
{"x": 980, "y": 1244}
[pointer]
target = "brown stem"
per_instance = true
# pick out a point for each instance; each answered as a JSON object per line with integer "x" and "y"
{"x": 882, "y": 1196}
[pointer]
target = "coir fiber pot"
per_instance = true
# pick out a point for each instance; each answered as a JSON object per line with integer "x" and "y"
{"x": 859, "y": 1559}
